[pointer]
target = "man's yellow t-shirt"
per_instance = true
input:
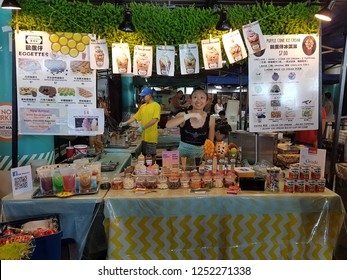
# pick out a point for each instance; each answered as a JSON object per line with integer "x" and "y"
{"x": 145, "y": 114}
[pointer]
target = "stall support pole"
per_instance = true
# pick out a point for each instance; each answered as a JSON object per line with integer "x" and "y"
{"x": 14, "y": 104}
{"x": 331, "y": 184}
{"x": 320, "y": 128}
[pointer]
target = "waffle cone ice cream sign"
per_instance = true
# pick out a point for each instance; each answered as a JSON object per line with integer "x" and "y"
{"x": 143, "y": 61}
{"x": 234, "y": 46}
{"x": 212, "y": 54}
{"x": 121, "y": 62}
{"x": 189, "y": 59}
{"x": 165, "y": 60}
{"x": 254, "y": 38}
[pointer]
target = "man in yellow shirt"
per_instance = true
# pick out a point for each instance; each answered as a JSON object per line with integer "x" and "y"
{"x": 149, "y": 116}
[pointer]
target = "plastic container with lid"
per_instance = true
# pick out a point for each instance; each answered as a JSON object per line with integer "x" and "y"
{"x": 151, "y": 182}
{"x": 117, "y": 183}
{"x": 128, "y": 182}
{"x": 218, "y": 181}
{"x": 174, "y": 182}
{"x": 195, "y": 182}
{"x": 162, "y": 183}
{"x": 140, "y": 182}
{"x": 207, "y": 181}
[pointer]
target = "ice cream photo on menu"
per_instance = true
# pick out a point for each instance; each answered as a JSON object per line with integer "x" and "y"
{"x": 165, "y": 60}
{"x": 121, "y": 62}
{"x": 234, "y": 46}
{"x": 143, "y": 61}
{"x": 99, "y": 54}
{"x": 212, "y": 53}
{"x": 254, "y": 38}
{"x": 189, "y": 59}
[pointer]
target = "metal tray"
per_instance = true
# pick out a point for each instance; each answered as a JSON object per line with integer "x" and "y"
{"x": 39, "y": 194}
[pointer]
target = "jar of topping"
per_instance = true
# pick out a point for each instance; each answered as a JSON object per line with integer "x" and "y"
{"x": 230, "y": 180}
{"x": 105, "y": 183}
{"x": 128, "y": 182}
{"x": 185, "y": 181}
{"x": 174, "y": 182}
{"x": 117, "y": 183}
{"x": 151, "y": 182}
{"x": 195, "y": 182}
{"x": 140, "y": 182}
{"x": 207, "y": 180}
{"x": 162, "y": 183}
{"x": 218, "y": 181}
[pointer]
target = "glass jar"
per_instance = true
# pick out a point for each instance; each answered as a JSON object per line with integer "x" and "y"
{"x": 230, "y": 180}
{"x": 140, "y": 182}
{"x": 207, "y": 180}
{"x": 174, "y": 182}
{"x": 151, "y": 182}
{"x": 185, "y": 181}
{"x": 117, "y": 183}
{"x": 218, "y": 181}
{"x": 162, "y": 183}
{"x": 128, "y": 182}
{"x": 195, "y": 182}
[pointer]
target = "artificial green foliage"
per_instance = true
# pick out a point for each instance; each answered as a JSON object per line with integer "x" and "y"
{"x": 157, "y": 24}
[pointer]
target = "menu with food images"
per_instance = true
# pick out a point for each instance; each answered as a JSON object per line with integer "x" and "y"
{"x": 53, "y": 75}
{"x": 165, "y": 60}
{"x": 189, "y": 59}
{"x": 284, "y": 84}
{"x": 212, "y": 53}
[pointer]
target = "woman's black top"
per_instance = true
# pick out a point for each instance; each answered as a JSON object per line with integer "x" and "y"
{"x": 195, "y": 136}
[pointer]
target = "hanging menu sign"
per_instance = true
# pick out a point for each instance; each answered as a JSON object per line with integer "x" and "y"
{"x": 283, "y": 84}
{"x": 54, "y": 78}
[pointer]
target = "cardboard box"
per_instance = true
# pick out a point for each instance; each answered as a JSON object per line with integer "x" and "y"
{"x": 242, "y": 172}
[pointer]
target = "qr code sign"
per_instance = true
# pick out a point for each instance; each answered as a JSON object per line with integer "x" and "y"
{"x": 20, "y": 182}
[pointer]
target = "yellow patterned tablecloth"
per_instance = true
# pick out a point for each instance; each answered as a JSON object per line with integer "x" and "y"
{"x": 177, "y": 224}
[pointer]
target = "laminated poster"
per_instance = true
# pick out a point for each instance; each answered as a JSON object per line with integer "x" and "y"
{"x": 165, "y": 60}
{"x": 121, "y": 62}
{"x": 189, "y": 59}
{"x": 86, "y": 122}
{"x": 99, "y": 54}
{"x": 254, "y": 38}
{"x": 283, "y": 84}
{"x": 234, "y": 46}
{"x": 143, "y": 61}
{"x": 53, "y": 75}
{"x": 212, "y": 53}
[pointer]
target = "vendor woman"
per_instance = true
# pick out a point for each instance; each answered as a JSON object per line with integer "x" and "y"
{"x": 195, "y": 126}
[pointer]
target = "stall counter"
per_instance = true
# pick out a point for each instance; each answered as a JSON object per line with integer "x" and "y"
{"x": 178, "y": 224}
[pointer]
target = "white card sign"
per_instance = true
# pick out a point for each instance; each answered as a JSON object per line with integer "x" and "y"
{"x": 313, "y": 156}
{"x": 21, "y": 179}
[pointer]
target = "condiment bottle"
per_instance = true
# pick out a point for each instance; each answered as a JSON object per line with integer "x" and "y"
{"x": 141, "y": 159}
{"x": 149, "y": 160}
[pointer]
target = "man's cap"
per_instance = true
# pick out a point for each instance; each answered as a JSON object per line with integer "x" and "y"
{"x": 145, "y": 91}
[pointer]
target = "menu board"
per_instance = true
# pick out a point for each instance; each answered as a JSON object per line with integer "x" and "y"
{"x": 284, "y": 85}
{"x": 54, "y": 78}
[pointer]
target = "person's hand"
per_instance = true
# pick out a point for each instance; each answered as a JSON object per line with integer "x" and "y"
{"x": 193, "y": 116}
{"x": 140, "y": 129}
{"x": 121, "y": 124}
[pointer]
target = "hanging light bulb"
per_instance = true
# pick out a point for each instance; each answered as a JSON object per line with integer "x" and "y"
{"x": 223, "y": 23}
{"x": 326, "y": 13}
{"x": 10, "y": 5}
{"x": 127, "y": 25}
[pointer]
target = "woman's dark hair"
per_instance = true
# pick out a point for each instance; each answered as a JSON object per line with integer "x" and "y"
{"x": 223, "y": 127}
{"x": 199, "y": 88}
